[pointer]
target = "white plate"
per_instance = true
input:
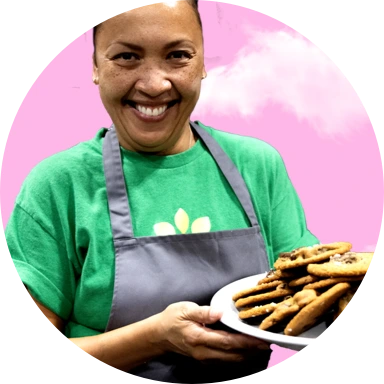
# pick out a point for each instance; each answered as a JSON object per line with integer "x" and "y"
{"x": 223, "y": 301}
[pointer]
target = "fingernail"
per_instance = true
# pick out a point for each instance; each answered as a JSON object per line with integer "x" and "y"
{"x": 215, "y": 313}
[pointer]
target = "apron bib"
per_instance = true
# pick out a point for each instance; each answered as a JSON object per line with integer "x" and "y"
{"x": 154, "y": 272}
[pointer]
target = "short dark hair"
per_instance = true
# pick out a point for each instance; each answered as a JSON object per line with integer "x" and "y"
{"x": 193, "y": 3}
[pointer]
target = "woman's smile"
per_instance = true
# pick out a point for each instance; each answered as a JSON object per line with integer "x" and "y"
{"x": 150, "y": 112}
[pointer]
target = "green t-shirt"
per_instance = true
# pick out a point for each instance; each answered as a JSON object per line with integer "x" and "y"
{"x": 59, "y": 234}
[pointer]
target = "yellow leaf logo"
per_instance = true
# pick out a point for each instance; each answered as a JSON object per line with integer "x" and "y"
{"x": 164, "y": 229}
{"x": 182, "y": 220}
{"x": 200, "y": 225}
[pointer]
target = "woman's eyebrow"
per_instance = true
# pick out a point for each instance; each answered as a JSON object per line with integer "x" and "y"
{"x": 175, "y": 43}
{"x": 169, "y": 45}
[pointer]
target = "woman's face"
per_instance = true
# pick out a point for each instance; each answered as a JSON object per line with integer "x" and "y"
{"x": 149, "y": 65}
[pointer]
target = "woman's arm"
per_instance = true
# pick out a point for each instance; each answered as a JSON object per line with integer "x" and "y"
{"x": 179, "y": 328}
{"x": 123, "y": 348}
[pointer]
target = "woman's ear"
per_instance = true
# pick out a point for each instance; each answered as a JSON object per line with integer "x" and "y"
{"x": 95, "y": 71}
{"x": 204, "y": 75}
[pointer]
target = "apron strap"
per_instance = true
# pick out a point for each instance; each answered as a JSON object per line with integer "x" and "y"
{"x": 117, "y": 192}
{"x": 116, "y": 189}
{"x": 230, "y": 172}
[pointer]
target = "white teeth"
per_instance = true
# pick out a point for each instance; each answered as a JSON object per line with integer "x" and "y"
{"x": 151, "y": 112}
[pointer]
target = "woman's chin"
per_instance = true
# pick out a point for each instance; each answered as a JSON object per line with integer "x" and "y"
{"x": 149, "y": 142}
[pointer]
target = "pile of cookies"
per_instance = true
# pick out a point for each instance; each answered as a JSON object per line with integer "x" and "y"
{"x": 305, "y": 286}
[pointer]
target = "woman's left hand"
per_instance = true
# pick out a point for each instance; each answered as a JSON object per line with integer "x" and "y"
{"x": 183, "y": 331}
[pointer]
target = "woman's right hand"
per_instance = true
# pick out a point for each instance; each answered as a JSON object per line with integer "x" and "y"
{"x": 182, "y": 330}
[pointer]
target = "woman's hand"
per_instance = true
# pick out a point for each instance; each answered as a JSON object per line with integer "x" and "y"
{"x": 182, "y": 330}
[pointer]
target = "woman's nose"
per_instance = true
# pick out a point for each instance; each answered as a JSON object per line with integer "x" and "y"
{"x": 153, "y": 82}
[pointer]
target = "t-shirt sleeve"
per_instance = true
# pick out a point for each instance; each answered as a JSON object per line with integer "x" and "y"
{"x": 41, "y": 262}
{"x": 289, "y": 228}
{"x": 288, "y": 223}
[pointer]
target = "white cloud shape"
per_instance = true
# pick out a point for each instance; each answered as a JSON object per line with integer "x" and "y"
{"x": 284, "y": 68}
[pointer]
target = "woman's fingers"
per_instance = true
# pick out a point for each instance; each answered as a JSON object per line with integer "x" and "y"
{"x": 210, "y": 345}
{"x": 208, "y": 355}
{"x": 224, "y": 341}
{"x": 220, "y": 339}
{"x": 186, "y": 333}
{"x": 201, "y": 314}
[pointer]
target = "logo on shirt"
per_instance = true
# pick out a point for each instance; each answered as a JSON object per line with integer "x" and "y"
{"x": 181, "y": 220}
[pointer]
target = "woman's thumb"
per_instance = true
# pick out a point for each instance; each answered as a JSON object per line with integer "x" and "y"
{"x": 204, "y": 314}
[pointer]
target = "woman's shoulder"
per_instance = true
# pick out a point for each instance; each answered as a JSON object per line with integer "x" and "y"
{"x": 64, "y": 167}
{"x": 240, "y": 147}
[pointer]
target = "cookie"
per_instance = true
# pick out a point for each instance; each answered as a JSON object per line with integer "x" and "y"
{"x": 303, "y": 281}
{"x": 281, "y": 291}
{"x": 307, "y": 255}
{"x": 348, "y": 264}
{"x": 257, "y": 288}
{"x": 259, "y": 310}
{"x": 331, "y": 281}
{"x": 309, "y": 315}
{"x": 275, "y": 274}
{"x": 343, "y": 302}
{"x": 288, "y": 308}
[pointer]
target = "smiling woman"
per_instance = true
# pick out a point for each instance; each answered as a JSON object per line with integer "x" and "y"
{"x": 149, "y": 68}
{"x": 92, "y": 233}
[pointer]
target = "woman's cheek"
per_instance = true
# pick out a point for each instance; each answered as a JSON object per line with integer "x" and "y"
{"x": 115, "y": 88}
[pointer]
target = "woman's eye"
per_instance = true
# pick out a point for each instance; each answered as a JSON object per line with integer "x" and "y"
{"x": 126, "y": 56}
{"x": 180, "y": 55}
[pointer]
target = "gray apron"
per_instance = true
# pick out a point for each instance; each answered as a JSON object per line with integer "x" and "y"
{"x": 154, "y": 272}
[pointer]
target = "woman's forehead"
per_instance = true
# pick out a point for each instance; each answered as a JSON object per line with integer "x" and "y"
{"x": 168, "y": 17}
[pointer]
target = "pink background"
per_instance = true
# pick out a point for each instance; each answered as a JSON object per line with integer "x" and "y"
{"x": 264, "y": 80}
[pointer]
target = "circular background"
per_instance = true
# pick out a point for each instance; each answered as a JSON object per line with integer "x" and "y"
{"x": 264, "y": 80}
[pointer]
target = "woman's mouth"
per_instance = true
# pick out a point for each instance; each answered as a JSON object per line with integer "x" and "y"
{"x": 150, "y": 111}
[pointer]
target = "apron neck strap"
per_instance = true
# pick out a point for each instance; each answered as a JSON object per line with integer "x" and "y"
{"x": 230, "y": 172}
{"x": 117, "y": 191}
